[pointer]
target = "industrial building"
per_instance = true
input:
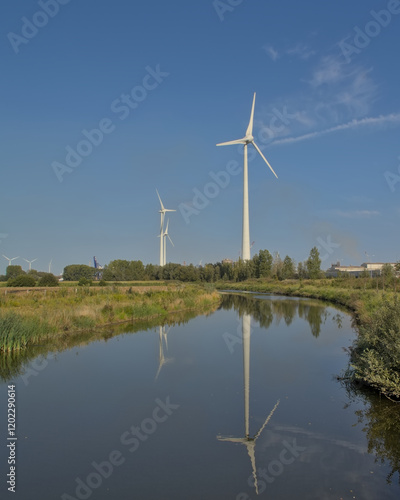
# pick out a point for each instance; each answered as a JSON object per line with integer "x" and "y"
{"x": 373, "y": 269}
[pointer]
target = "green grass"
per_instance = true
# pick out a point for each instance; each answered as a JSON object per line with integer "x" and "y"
{"x": 29, "y": 317}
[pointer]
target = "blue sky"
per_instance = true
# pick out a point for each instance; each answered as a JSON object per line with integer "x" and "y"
{"x": 327, "y": 117}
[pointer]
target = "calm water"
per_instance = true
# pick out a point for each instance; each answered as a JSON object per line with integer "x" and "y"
{"x": 206, "y": 410}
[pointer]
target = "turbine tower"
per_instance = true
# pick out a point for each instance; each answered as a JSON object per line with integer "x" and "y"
{"x": 10, "y": 260}
{"x": 249, "y": 442}
{"x": 246, "y": 140}
{"x": 165, "y": 242}
{"x": 163, "y": 211}
{"x": 30, "y": 262}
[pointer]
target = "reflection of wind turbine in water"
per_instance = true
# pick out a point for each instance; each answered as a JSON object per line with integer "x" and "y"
{"x": 248, "y": 441}
{"x": 162, "y": 360}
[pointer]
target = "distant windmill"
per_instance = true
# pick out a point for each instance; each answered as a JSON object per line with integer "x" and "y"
{"x": 249, "y": 442}
{"x": 10, "y": 260}
{"x": 50, "y": 266}
{"x": 30, "y": 262}
{"x": 166, "y": 235}
{"x": 163, "y": 211}
{"x": 246, "y": 140}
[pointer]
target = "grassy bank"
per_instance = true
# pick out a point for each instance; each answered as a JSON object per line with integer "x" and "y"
{"x": 375, "y": 354}
{"x": 35, "y": 316}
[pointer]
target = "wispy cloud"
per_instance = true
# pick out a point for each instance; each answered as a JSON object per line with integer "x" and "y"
{"x": 356, "y": 214}
{"x": 301, "y": 50}
{"x": 329, "y": 71}
{"x": 273, "y": 54}
{"x": 381, "y": 120}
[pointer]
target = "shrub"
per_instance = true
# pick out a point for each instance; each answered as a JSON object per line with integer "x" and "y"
{"x": 85, "y": 282}
{"x": 48, "y": 280}
{"x": 22, "y": 280}
{"x": 376, "y": 351}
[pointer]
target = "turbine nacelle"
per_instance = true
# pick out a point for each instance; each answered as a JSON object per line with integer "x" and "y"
{"x": 248, "y": 138}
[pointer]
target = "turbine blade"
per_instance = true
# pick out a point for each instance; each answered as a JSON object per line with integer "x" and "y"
{"x": 266, "y": 420}
{"x": 161, "y": 203}
{"x": 231, "y": 143}
{"x": 170, "y": 240}
{"x": 263, "y": 157}
{"x": 249, "y": 131}
{"x": 169, "y": 210}
{"x": 5, "y": 257}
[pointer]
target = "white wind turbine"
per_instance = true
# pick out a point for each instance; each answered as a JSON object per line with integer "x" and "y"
{"x": 249, "y": 442}
{"x": 166, "y": 235}
{"x": 10, "y": 260}
{"x": 246, "y": 140}
{"x": 30, "y": 262}
{"x": 163, "y": 211}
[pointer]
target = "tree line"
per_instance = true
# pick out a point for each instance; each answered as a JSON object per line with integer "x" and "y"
{"x": 262, "y": 265}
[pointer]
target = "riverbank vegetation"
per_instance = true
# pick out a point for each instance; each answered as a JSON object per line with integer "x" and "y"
{"x": 375, "y": 354}
{"x": 35, "y": 316}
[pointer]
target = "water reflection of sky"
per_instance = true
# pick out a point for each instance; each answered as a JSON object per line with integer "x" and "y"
{"x": 75, "y": 411}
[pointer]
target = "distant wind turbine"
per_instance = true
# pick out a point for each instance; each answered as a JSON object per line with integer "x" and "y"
{"x": 50, "y": 266}
{"x": 30, "y": 262}
{"x": 162, "y": 360}
{"x": 246, "y": 140}
{"x": 163, "y": 211}
{"x": 249, "y": 442}
{"x": 10, "y": 260}
{"x": 166, "y": 235}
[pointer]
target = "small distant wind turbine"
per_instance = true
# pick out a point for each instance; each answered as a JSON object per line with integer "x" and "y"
{"x": 10, "y": 260}
{"x": 50, "y": 266}
{"x": 30, "y": 262}
{"x": 166, "y": 235}
{"x": 162, "y": 360}
{"x": 249, "y": 442}
{"x": 163, "y": 211}
{"x": 246, "y": 140}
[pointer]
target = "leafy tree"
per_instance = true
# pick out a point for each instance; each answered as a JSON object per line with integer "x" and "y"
{"x": 14, "y": 271}
{"x": 150, "y": 272}
{"x": 388, "y": 274}
{"x": 314, "y": 264}
{"x": 288, "y": 269}
{"x": 264, "y": 264}
{"x": 277, "y": 265}
{"x": 124, "y": 270}
{"x": 48, "y": 280}
{"x": 22, "y": 280}
{"x": 187, "y": 273}
{"x": 207, "y": 273}
{"x": 75, "y": 272}
{"x": 302, "y": 270}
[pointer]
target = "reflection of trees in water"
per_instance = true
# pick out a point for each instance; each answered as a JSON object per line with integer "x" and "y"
{"x": 264, "y": 311}
{"x": 260, "y": 310}
{"x": 381, "y": 420}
